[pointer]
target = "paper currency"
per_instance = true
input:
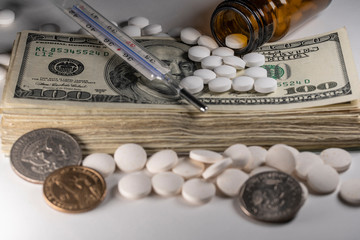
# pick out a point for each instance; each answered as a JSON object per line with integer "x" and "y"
{"x": 73, "y": 83}
{"x": 51, "y": 68}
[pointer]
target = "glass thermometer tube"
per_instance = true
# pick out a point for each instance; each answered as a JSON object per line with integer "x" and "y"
{"x": 124, "y": 46}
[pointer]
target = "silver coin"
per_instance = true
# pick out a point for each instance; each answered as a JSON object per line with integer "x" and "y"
{"x": 271, "y": 197}
{"x": 38, "y": 153}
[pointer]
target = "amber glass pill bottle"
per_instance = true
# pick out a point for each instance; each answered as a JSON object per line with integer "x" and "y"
{"x": 261, "y": 21}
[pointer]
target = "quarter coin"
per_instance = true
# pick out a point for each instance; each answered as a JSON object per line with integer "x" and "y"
{"x": 74, "y": 189}
{"x": 271, "y": 197}
{"x": 38, "y": 153}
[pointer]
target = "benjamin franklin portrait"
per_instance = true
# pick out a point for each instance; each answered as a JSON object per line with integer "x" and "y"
{"x": 133, "y": 87}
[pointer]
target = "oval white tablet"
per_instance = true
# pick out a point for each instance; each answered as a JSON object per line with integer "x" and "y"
{"x": 167, "y": 183}
{"x": 222, "y": 52}
{"x": 220, "y": 84}
{"x": 189, "y": 35}
{"x": 281, "y": 158}
{"x": 5, "y": 59}
{"x": 338, "y": 158}
{"x": 265, "y": 85}
{"x": 234, "y": 61}
{"x": 243, "y": 83}
{"x": 217, "y": 168}
{"x": 197, "y": 53}
{"x": 258, "y": 155}
{"x": 322, "y": 178}
{"x": 236, "y": 41}
{"x": 7, "y": 16}
{"x": 3, "y": 72}
{"x": 162, "y": 161}
{"x": 205, "y": 156}
{"x": 230, "y": 181}
{"x": 206, "y": 74}
{"x": 151, "y": 29}
{"x": 304, "y": 160}
{"x": 211, "y": 62}
{"x": 198, "y": 191}
{"x": 256, "y": 72}
{"x": 239, "y": 153}
{"x": 132, "y": 30}
{"x": 262, "y": 169}
{"x": 135, "y": 185}
{"x": 193, "y": 84}
{"x": 189, "y": 168}
{"x": 130, "y": 157}
{"x": 350, "y": 191}
{"x": 208, "y": 42}
{"x": 101, "y": 162}
{"x": 138, "y": 21}
{"x": 49, "y": 27}
{"x": 254, "y": 59}
{"x": 225, "y": 71}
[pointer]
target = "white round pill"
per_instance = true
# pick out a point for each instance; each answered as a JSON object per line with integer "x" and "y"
{"x": 193, "y": 84}
{"x": 198, "y": 191}
{"x": 188, "y": 168}
{"x": 167, "y": 183}
{"x": 265, "y": 85}
{"x": 256, "y": 72}
{"x": 258, "y": 156}
{"x": 208, "y": 42}
{"x": 138, "y": 21}
{"x": 206, "y": 74}
{"x": 254, "y": 59}
{"x": 222, "y": 52}
{"x": 101, "y": 162}
{"x": 243, "y": 83}
{"x": 225, "y": 71}
{"x": 322, "y": 178}
{"x": 211, "y": 62}
{"x": 151, "y": 29}
{"x": 197, "y": 53}
{"x": 189, "y": 35}
{"x": 220, "y": 84}
{"x": 132, "y": 30}
{"x": 5, "y": 59}
{"x": 338, "y": 158}
{"x": 3, "y": 72}
{"x": 280, "y": 157}
{"x": 162, "y": 161}
{"x": 239, "y": 153}
{"x": 175, "y": 32}
{"x": 135, "y": 185}
{"x": 234, "y": 61}
{"x": 49, "y": 27}
{"x": 236, "y": 41}
{"x": 304, "y": 160}
{"x": 262, "y": 169}
{"x": 230, "y": 181}
{"x": 350, "y": 191}
{"x": 7, "y": 16}
{"x": 205, "y": 156}
{"x": 130, "y": 157}
{"x": 217, "y": 168}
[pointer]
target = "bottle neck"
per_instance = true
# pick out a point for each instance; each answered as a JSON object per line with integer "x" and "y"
{"x": 244, "y": 17}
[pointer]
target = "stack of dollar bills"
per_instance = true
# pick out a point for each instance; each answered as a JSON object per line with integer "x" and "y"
{"x": 76, "y": 84}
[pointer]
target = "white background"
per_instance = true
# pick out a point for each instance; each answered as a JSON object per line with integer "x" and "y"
{"x": 24, "y": 213}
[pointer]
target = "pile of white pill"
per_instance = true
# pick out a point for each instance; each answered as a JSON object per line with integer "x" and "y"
{"x": 198, "y": 175}
{"x": 221, "y": 70}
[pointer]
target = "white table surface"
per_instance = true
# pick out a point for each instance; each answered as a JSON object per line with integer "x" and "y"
{"x": 24, "y": 214}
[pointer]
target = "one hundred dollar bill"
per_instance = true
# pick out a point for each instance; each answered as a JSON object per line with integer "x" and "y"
{"x": 56, "y": 69}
